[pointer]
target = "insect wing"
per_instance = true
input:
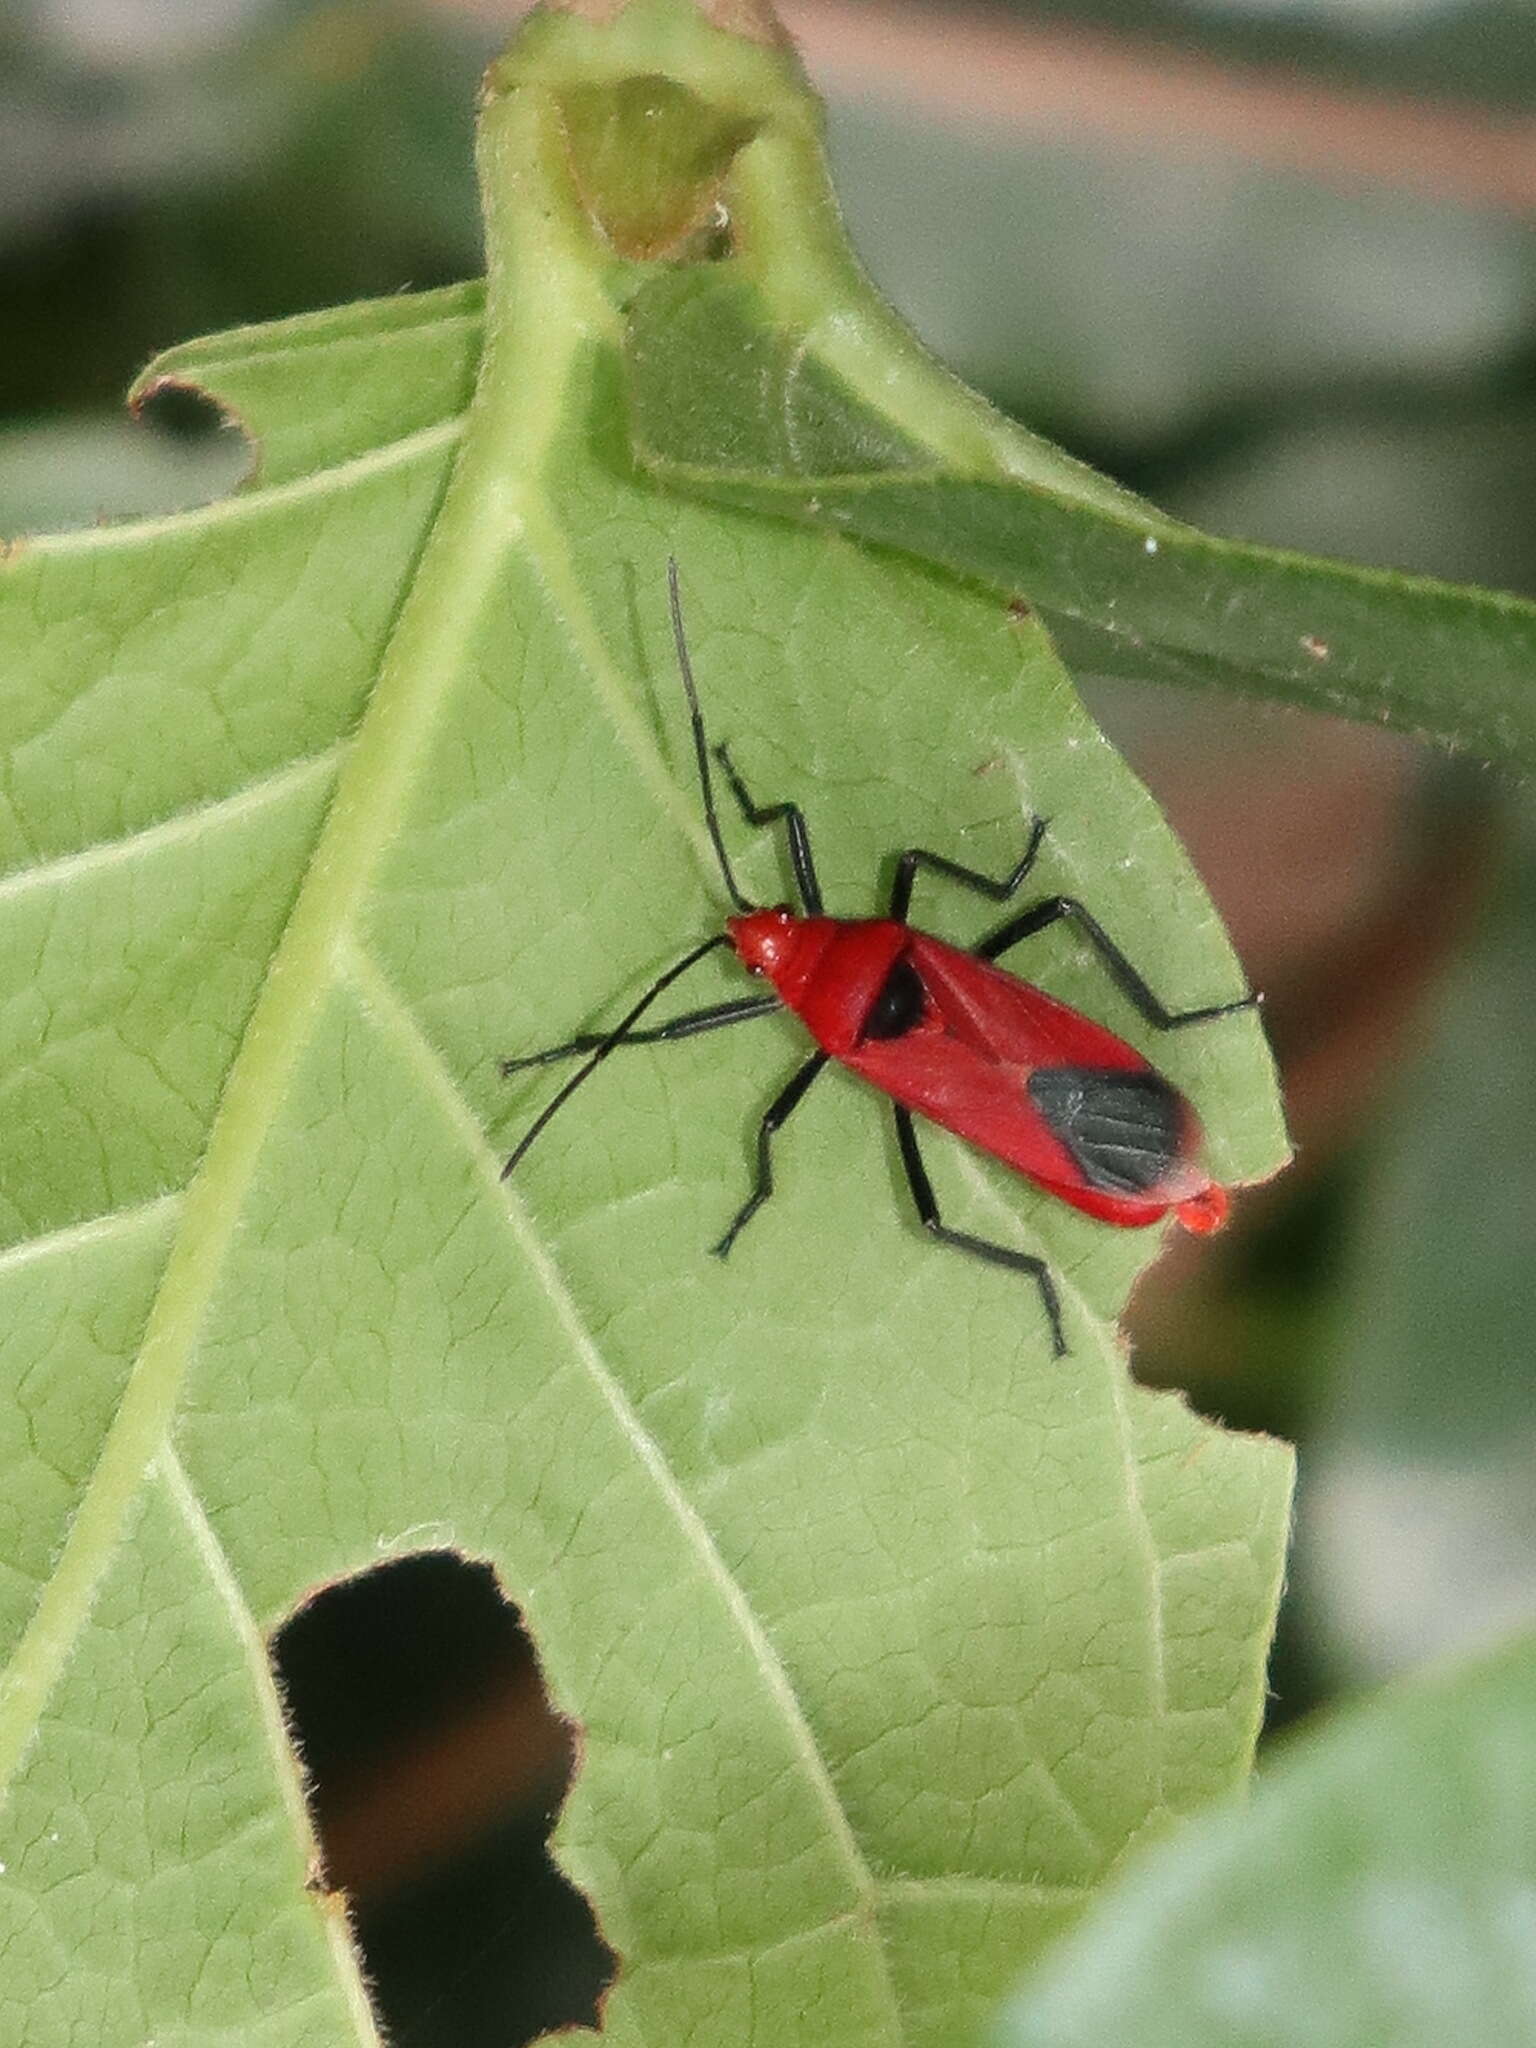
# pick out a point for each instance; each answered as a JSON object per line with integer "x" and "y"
{"x": 1036, "y": 1084}
{"x": 1011, "y": 1021}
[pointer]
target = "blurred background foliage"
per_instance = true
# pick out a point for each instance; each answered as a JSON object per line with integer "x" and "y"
{"x": 1272, "y": 262}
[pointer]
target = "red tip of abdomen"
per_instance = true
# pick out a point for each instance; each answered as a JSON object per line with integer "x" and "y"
{"x": 1204, "y": 1212}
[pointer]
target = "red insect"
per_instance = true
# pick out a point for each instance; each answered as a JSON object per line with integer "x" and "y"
{"x": 945, "y": 1033}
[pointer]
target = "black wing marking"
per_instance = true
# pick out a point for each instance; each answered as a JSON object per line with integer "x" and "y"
{"x": 899, "y": 1006}
{"x": 1124, "y": 1129}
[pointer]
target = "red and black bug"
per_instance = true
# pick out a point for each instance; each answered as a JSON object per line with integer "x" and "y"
{"x": 945, "y": 1033}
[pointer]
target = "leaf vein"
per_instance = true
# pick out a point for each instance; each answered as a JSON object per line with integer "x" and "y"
{"x": 168, "y": 1468}
{"x": 186, "y": 824}
{"x": 391, "y": 1015}
{"x": 246, "y": 504}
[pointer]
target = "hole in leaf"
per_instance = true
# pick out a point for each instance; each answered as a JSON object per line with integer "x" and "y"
{"x": 436, "y": 1767}
{"x": 184, "y": 412}
{"x": 203, "y": 451}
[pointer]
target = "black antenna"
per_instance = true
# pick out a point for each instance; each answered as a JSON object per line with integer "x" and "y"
{"x": 700, "y": 744}
{"x": 589, "y": 1066}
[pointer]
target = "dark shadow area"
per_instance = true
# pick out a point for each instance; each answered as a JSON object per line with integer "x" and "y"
{"x": 436, "y": 1769}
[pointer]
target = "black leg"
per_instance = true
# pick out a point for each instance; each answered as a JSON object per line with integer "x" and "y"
{"x": 1038, "y": 916}
{"x": 784, "y": 1103}
{"x": 714, "y": 1018}
{"x": 1126, "y": 978}
{"x": 993, "y": 887}
{"x": 605, "y": 1046}
{"x": 794, "y": 828}
{"x": 977, "y": 1247}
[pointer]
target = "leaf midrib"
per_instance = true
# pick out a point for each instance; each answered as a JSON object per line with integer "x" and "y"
{"x": 300, "y": 974}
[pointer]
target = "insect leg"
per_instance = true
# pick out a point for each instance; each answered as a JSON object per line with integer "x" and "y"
{"x": 997, "y": 888}
{"x": 714, "y": 1018}
{"x": 1126, "y": 977}
{"x": 978, "y": 1247}
{"x": 788, "y": 1099}
{"x": 606, "y": 1045}
{"x": 795, "y": 831}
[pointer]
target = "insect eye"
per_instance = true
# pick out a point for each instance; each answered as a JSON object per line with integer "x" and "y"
{"x": 899, "y": 1005}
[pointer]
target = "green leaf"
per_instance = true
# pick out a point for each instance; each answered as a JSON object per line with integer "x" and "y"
{"x": 1378, "y": 1890}
{"x": 803, "y": 414}
{"x": 887, "y": 1632}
